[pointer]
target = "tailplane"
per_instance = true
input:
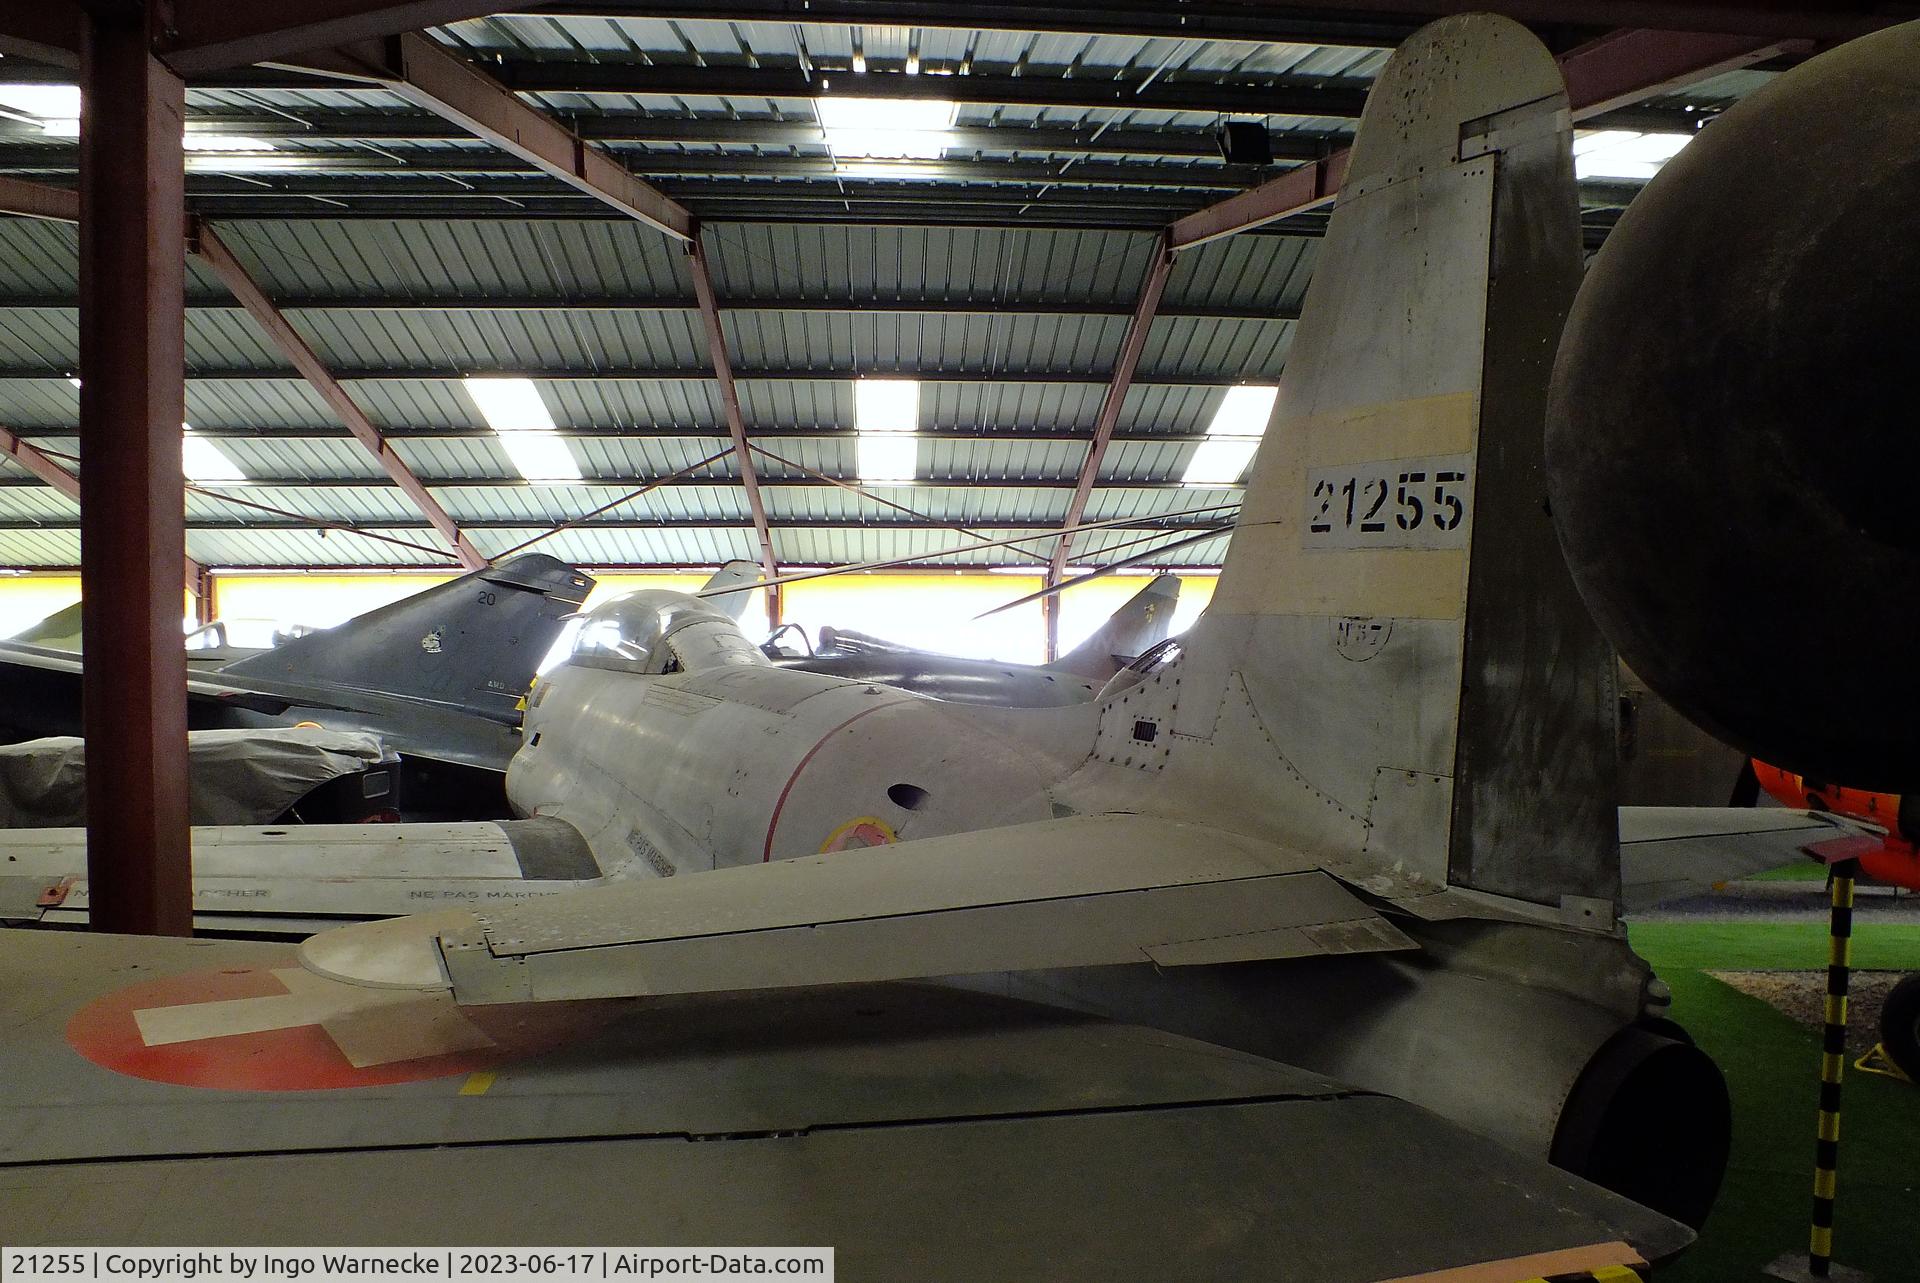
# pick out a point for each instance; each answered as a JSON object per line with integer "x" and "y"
{"x": 1394, "y": 669}
{"x": 472, "y": 642}
{"x": 1129, "y": 633}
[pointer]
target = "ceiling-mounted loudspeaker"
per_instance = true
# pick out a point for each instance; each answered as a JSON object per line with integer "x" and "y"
{"x": 1244, "y": 142}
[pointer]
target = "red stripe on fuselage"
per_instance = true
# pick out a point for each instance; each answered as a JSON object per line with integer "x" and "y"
{"x": 766, "y": 851}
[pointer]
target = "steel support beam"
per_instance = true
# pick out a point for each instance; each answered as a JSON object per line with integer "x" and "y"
{"x": 214, "y": 252}
{"x": 1298, "y": 190}
{"x": 730, "y": 402}
{"x": 50, "y": 473}
{"x": 1143, "y": 19}
{"x": 1624, "y": 67}
{"x": 37, "y": 200}
{"x": 1131, "y": 347}
{"x": 205, "y": 35}
{"x": 1768, "y": 20}
{"x": 1619, "y": 68}
{"x": 132, "y": 499}
{"x": 1307, "y": 96}
{"x": 1371, "y": 24}
{"x": 420, "y": 70}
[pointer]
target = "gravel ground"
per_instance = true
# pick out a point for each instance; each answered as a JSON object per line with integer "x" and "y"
{"x": 1783, "y": 902}
{"x": 1802, "y": 996}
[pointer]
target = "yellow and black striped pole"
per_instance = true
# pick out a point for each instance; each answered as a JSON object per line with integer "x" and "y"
{"x": 1833, "y": 1064}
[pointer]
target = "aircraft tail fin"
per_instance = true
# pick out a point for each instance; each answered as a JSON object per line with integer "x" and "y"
{"x": 472, "y": 642}
{"x": 1130, "y": 632}
{"x": 60, "y": 630}
{"x": 732, "y": 575}
{"x": 1395, "y": 668}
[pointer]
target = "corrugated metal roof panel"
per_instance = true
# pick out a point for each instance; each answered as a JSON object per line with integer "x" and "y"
{"x": 40, "y": 547}
{"x": 268, "y": 547}
{"x": 36, "y": 503}
{"x": 1236, "y": 349}
{"x": 923, "y": 342}
{"x": 38, "y": 403}
{"x": 479, "y": 341}
{"x": 409, "y": 258}
{"x": 39, "y": 256}
{"x": 969, "y": 264}
{"x": 1244, "y": 271}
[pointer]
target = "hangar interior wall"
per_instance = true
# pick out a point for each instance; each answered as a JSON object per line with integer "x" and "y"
{"x": 931, "y": 609}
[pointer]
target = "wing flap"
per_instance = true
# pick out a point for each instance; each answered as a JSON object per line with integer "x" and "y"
{"x": 1078, "y": 892}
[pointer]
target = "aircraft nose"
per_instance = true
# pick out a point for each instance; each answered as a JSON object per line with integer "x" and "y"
{"x": 1731, "y": 444}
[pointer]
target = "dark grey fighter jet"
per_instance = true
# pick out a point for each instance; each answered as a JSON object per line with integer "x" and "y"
{"x": 439, "y": 676}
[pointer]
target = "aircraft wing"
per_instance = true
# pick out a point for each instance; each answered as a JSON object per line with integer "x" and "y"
{"x": 1671, "y": 851}
{"x": 922, "y": 1131}
{"x": 1083, "y": 891}
{"x": 298, "y": 879}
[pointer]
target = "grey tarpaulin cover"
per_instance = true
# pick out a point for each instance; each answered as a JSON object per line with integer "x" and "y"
{"x": 238, "y": 776}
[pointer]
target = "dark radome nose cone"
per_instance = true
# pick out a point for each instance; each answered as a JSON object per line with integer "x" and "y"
{"x": 1733, "y": 442}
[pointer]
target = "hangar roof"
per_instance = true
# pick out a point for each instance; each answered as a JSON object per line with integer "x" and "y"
{"x": 999, "y": 268}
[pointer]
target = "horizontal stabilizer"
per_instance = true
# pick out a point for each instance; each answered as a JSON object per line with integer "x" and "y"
{"x": 1078, "y": 892}
{"x": 1670, "y": 851}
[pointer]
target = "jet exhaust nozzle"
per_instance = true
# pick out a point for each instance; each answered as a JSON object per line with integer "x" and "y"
{"x": 1649, "y": 1118}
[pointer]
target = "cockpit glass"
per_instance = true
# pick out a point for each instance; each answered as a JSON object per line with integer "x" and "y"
{"x": 628, "y": 631}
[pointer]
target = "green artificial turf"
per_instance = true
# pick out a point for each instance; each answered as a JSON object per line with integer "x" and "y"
{"x": 1798, "y": 871}
{"x": 1771, "y": 1065}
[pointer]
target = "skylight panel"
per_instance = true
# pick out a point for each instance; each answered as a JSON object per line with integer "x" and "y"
{"x": 886, "y": 412}
{"x": 202, "y": 460}
{"x": 887, "y": 128}
{"x": 1232, "y": 437}
{"x": 1624, "y": 153}
{"x": 513, "y": 408}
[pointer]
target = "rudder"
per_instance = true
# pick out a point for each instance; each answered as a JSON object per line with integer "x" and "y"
{"x": 472, "y": 642}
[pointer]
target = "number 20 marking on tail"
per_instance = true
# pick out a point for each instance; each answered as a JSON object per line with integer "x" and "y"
{"x": 1390, "y": 503}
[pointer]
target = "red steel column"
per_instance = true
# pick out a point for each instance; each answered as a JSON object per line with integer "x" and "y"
{"x": 132, "y": 497}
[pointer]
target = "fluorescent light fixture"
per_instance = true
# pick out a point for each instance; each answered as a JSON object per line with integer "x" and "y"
{"x": 910, "y": 128}
{"x": 43, "y": 102}
{"x": 202, "y": 460}
{"x": 886, "y": 405}
{"x": 522, "y": 422}
{"x": 1624, "y": 153}
{"x": 1232, "y": 437}
{"x": 887, "y": 457}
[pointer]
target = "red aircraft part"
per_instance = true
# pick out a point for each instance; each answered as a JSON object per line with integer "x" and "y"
{"x": 1894, "y": 860}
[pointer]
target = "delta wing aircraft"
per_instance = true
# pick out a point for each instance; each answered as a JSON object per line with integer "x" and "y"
{"x": 436, "y": 675}
{"x": 1296, "y": 954}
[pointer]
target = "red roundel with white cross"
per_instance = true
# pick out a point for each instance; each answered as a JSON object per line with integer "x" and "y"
{"x": 275, "y": 1026}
